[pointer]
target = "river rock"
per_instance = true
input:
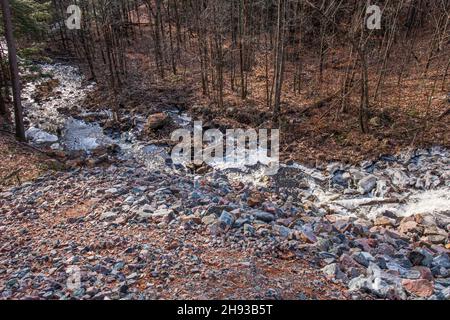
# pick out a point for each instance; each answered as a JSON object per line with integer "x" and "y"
{"x": 335, "y": 272}
{"x": 442, "y": 261}
{"x": 301, "y": 214}
{"x": 226, "y": 219}
{"x": 108, "y": 216}
{"x": 421, "y": 288}
{"x": 410, "y": 227}
{"x": 367, "y": 184}
{"x": 363, "y": 258}
{"x": 264, "y": 216}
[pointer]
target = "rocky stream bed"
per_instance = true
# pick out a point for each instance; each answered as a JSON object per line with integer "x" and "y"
{"x": 136, "y": 226}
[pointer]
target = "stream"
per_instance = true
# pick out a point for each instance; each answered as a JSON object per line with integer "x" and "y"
{"x": 412, "y": 182}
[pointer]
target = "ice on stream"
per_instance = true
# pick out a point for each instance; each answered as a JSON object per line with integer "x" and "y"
{"x": 69, "y": 93}
{"x": 79, "y": 135}
{"x": 430, "y": 201}
{"x": 39, "y": 136}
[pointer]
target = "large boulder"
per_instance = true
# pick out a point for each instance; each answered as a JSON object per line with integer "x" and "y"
{"x": 157, "y": 121}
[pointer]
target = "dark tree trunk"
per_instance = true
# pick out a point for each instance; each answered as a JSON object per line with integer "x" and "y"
{"x": 20, "y": 130}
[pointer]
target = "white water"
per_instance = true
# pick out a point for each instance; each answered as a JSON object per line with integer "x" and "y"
{"x": 430, "y": 201}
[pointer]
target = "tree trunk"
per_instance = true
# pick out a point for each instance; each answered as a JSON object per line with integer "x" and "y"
{"x": 20, "y": 130}
{"x": 2, "y": 104}
{"x": 3, "y": 109}
{"x": 279, "y": 61}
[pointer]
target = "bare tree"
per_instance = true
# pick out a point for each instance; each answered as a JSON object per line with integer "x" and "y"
{"x": 279, "y": 60}
{"x": 12, "y": 54}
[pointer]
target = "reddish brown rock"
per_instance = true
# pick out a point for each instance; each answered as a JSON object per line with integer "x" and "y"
{"x": 255, "y": 200}
{"x": 384, "y": 222}
{"x": 420, "y": 288}
{"x": 410, "y": 227}
{"x": 157, "y": 121}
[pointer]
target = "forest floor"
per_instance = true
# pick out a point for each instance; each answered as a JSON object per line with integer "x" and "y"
{"x": 20, "y": 162}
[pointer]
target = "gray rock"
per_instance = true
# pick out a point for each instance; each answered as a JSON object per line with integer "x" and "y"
{"x": 444, "y": 272}
{"x": 108, "y": 216}
{"x": 363, "y": 258}
{"x": 428, "y": 257}
{"x": 282, "y": 231}
{"x": 129, "y": 200}
{"x": 145, "y": 212}
{"x": 367, "y": 184}
{"x": 123, "y": 289}
{"x": 112, "y": 191}
{"x": 240, "y": 222}
{"x": 249, "y": 231}
{"x": 226, "y": 219}
{"x": 412, "y": 274}
{"x": 379, "y": 283}
{"x": 333, "y": 270}
{"x": 441, "y": 261}
{"x": 216, "y": 210}
{"x": 264, "y": 216}
{"x": 324, "y": 244}
{"x": 144, "y": 215}
{"x": 446, "y": 293}
{"x": 416, "y": 257}
{"x": 385, "y": 290}
{"x": 161, "y": 213}
{"x": 360, "y": 283}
